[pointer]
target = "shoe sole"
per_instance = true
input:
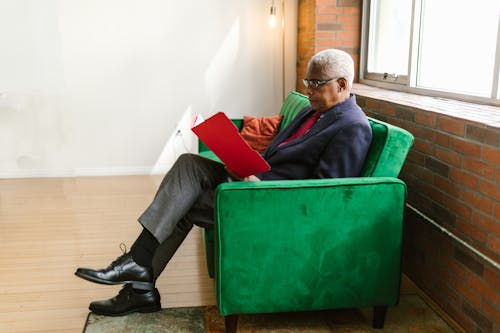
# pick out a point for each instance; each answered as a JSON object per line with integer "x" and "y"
{"x": 148, "y": 309}
{"x": 135, "y": 284}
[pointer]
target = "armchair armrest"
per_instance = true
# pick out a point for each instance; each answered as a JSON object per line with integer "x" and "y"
{"x": 271, "y": 235}
{"x": 308, "y": 183}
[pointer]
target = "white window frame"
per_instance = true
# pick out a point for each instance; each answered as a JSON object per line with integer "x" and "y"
{"x": 408, "y": 83}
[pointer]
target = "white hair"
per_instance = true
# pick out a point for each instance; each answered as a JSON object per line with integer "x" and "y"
{"x": 336, "y": 63}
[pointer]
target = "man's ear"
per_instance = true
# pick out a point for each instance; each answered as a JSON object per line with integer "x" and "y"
{"x": 342, "y": 82}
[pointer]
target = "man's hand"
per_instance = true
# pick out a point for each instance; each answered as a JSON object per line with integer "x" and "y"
{"x": 251, "y": 178}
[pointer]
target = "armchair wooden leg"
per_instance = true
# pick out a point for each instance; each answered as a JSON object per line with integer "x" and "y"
{"x": 379, "y": 313}
{"x": 231, "y": 322}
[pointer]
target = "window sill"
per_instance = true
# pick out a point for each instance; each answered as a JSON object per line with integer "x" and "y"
{"x": 479, "y": 113}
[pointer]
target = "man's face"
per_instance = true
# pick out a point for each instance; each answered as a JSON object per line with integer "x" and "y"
{"x": 327, "y": 95}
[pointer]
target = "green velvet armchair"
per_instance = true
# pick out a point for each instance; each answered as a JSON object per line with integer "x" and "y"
{"x": 298, "y": 245}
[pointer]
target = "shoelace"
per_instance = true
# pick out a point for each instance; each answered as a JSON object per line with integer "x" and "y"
{"x": 123, "y": 247}
{"x": 126, "y": 292}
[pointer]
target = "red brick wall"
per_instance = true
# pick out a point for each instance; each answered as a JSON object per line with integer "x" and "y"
{"x": 452, "y": 174}
{"x": 325, "y": 24}
{"x": 305, "y": 38}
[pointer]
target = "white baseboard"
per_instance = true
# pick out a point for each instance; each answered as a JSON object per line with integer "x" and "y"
{"x": 85, "y": 172}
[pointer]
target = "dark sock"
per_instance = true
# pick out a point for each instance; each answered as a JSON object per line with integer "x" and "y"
{"x": 144, "y": 248}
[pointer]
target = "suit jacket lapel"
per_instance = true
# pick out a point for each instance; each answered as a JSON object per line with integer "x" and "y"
{"x": 326, "y": 120}
{"x": 289, "y": 130}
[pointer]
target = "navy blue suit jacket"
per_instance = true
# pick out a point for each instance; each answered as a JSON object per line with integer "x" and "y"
{"x": 336, "y": 145}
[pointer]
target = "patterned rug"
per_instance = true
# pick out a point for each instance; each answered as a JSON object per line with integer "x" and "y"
{"x": 411, "y": 315}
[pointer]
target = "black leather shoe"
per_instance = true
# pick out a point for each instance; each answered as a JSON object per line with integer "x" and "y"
{"x": 123, "y": 270}
{"x": 128, "y": 301}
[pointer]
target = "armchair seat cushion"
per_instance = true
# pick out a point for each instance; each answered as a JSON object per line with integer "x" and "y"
{"x": 209, "y": 154}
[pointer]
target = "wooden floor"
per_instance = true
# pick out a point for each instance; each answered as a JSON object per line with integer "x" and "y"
{"x": 51, "y": 226}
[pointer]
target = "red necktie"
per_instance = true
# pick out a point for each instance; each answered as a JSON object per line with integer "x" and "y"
{"x": 304, "y": 128}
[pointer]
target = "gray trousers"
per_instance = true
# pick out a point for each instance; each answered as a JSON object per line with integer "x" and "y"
{"x": 184, "y": 198}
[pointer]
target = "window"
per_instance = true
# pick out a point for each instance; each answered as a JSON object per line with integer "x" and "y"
{"x": 389, "y": 39}
{"x": 444, "y": 48}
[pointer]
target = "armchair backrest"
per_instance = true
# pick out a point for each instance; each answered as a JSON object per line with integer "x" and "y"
{"x": 388, "y": 150}
{"x": 292, "y": 105}
{"x": 390, "y": 144}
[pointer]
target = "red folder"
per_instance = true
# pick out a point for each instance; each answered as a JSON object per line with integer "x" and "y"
{"x": 222, "y": 137}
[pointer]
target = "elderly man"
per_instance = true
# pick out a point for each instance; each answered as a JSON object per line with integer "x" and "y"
{"x": 330, "y": 138}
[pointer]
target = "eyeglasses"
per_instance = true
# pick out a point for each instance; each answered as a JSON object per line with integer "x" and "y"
{"x": 316, "y": 84}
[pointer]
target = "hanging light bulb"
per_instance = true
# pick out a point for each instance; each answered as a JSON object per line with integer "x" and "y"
{"x": 272, "y": 15}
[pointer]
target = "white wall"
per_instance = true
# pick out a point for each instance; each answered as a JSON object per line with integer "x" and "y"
{"x": 101, "y": 87}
